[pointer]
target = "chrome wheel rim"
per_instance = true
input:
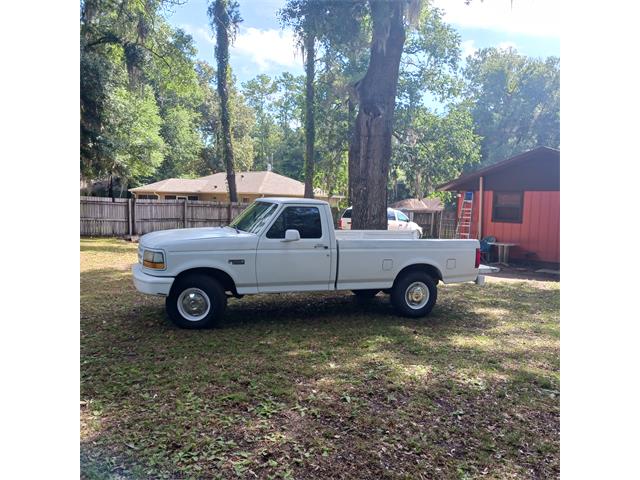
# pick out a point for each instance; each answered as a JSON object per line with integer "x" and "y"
{"x": 194, "y": 304}
{"x": 417, "y": 295}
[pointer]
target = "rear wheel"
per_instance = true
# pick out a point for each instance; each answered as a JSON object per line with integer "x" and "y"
{"x": 365, "y": 293}
{"x": 196, "y": 301}
{"x": 414, "y": 294}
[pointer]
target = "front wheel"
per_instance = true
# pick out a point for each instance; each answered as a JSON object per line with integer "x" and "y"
{"x": 196, "y": 301}
{"x": 414, "y": 294}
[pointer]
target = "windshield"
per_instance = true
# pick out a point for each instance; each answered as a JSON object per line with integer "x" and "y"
{"x": 254, "y": 217}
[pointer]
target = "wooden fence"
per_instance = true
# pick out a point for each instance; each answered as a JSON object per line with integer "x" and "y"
{"x": 106, "y": 217}
{"x": 435, "y": 225}
{"x": 119, "y": 217}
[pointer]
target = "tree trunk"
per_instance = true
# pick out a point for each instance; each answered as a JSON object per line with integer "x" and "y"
{"x": 221, "y": 20}
{"x": 350, "y": 160}
{"x": 309, "y": 119}
{"x": 376, "y": 94}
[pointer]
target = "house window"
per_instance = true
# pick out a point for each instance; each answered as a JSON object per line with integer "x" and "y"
{"x": 194, "y": 197}
{"x": 147, "y": 197}
{"x": 245, "y": 200}
{"x": 169, "y": 197}
{"x": 507, "y": 207}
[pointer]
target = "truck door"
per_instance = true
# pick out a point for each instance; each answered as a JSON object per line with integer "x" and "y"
{"x": 299, "y": 265}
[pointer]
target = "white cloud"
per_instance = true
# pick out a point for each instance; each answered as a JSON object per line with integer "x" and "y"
{"x": 267, "y": 47}
{"x": 199, "y": 33}
{"x": 507, "y": 45}
{"x": 468, "y": 48}
{"x": 528, "y": 17}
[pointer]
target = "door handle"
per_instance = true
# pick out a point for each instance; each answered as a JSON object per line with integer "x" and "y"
{"x": 320, "y": 245}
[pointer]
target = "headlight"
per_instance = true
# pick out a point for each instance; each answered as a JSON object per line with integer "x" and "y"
{"x": 152, "y": 259}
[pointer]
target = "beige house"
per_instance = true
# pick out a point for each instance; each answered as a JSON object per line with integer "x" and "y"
{"x": 250, "y": 185}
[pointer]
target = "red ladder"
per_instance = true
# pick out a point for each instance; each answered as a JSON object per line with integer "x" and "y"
{"x": 463, "y": 226}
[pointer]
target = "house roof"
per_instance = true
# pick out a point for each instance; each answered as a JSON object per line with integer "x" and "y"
{"x": 537, "y": 169}
{"x": 426, "y": 205}
{"x": 262, "y": 183}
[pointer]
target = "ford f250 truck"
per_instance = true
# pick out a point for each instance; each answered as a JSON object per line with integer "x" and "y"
{"x": 290, "y": 245}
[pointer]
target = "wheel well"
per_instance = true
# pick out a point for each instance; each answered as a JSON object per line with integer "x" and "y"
{"x": 430, "y": 270}
{"x": 223, "y": 277}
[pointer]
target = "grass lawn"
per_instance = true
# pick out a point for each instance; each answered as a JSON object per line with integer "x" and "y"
{"x": 318, "y": 385}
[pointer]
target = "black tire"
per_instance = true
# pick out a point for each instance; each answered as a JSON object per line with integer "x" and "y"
{"x": 365, "y": 293}
{"x": 399, "y": 294}
{"x": 214, "y": 296}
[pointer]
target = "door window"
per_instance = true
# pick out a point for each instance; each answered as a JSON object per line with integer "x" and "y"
{"x": 304, "y": 219}
{"x": 402, "y": 217}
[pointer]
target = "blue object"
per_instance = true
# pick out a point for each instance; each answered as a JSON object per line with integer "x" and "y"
{"x": 485, "y": 248}
{"x": 468, "y": 195}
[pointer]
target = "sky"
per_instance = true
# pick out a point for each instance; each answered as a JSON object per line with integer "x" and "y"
{"x": 262, "y": 46}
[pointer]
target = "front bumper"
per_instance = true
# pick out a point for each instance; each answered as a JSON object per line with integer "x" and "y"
{"x": 149, "y": 284}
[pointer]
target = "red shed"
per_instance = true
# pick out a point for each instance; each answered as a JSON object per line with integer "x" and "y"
{"x": 518, "y": 200}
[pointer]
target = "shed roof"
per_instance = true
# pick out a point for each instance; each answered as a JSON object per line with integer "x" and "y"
{"x": 426, "y": 205}
{"x": 262, "y": 183}
{"x": 537, "y": 169}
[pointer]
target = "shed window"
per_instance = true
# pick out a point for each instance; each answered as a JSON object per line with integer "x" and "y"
{"x": 507, "y": 207}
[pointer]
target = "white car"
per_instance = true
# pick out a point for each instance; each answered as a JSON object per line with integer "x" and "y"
{"x": 289, "y": 245}
{"x": 396, "y": 220}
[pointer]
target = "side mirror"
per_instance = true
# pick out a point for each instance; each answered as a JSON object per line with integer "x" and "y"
{"x": 291, "y": 236}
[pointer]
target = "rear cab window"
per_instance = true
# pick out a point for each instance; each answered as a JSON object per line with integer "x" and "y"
{"x": 347, "y": 213}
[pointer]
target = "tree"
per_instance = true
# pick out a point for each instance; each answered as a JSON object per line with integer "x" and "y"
{"x": 289, "y": 114}
{"x": 306, "y": 16}
{"x": 309, "y": 115}
{"x": 225, "y": 18}
{"x": 260, "y": 94}
{"x": 375, "y": 94}
{"x": 137, "y": 74}
{"x": 516, "y": 101}
{"x": 430, "y": 147}
{"x": 132, "y": 124}
{"x": 434, "y": 148}
{"x": 242, "y": 123}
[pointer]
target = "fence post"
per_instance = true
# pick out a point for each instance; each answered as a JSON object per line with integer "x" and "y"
{"x": 433, "y": 222}
{"x": 133, "y": 216}
{"x": 184, "y": 213}
{"x": 440, "y": 224}
{"x": 129, "y": 216}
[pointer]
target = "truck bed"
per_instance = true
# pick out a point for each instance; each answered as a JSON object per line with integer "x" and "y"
{"x": 368, "y": 263}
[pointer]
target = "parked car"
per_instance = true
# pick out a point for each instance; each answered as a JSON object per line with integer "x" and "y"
{"x": 396, "y": 220}
{"x": 290, "y": 245}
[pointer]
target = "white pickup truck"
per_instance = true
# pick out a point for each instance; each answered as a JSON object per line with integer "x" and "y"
{"x": 290, "y": 245}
